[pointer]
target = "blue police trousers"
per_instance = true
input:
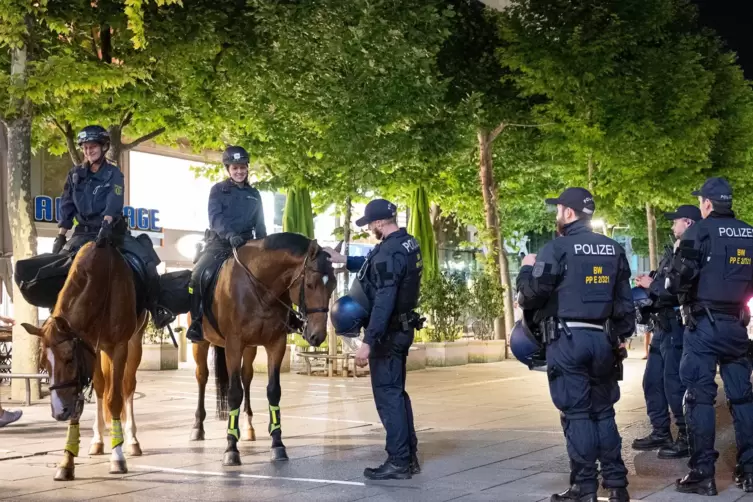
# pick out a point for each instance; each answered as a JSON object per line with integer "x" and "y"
{"x": 387, "y": 366}
{"x": 662, "y": 386}
{"x": 724, "y": 343}
{"x": 583, "y": 387}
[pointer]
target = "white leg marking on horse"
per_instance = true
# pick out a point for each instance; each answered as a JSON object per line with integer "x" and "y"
{"x": 99, "y": 422}
{"x": 130, "y": 425}
{"x": 117, "y": 453}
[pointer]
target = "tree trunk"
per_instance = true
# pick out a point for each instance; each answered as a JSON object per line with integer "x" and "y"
{"x": 70, "y": 141}
{"x": 491, "y": 210}
{"x": 23, "y": 232}
{"x": 347, "y": 235}
{"x": 651, "y": 224}
{"x": 590, "y": 172}
{"x": 116, "y": 145}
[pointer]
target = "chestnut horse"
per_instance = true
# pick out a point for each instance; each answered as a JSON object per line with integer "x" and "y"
{"x": 94, "y": 336}
{"x": 252, "y": 302}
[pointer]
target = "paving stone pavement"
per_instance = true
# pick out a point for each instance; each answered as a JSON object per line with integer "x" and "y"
{"x": 487, "y": 432}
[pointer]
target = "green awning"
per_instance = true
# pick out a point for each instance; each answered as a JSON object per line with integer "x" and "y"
{"x": 298, "y": 216}
{"x": 420, "y": 227}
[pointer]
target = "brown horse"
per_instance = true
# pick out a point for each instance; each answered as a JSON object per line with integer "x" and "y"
{"x": 94, "y": 335}
{"x": 252, "y": 305}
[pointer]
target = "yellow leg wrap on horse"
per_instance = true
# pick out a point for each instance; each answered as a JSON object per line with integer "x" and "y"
{"x": 274, "y": 418}
{"x": 233, "y": 429}
{"x": 73, "y": 439}
{"x": 116, "y": 433}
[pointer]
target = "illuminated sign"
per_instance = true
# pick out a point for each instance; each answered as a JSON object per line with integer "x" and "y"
{"x": 146, "y": 220}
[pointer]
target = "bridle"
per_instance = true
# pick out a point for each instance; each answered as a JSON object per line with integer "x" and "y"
{"x": 302, "y": 313}
{"x": 82, "y": 379}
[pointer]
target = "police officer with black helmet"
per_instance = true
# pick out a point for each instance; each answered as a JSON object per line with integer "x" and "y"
{"x": 236, "y": 216}
{"x": 388, "y": 280}
{"x": 93, "y": 196}
{"x": 579, "y": 288}
{"x": 712, "y": 273}
{"x": 662, "y": 387}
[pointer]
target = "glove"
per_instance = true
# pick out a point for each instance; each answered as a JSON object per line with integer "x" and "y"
{"x": 236, "y": 241}
{"x": 104, "y": 234}
{"x": 60, "y": 241}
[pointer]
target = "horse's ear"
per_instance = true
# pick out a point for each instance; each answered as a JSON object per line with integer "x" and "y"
{"x": 314, "y": 249}
{"x": 61, "y": 324}
{"x": 31, "y": 329}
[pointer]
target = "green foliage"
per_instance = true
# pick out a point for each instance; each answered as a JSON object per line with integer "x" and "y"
{"x": 153, "y": 335}
{"x": 486, "y": 303}
{"x": 445, "y": 298}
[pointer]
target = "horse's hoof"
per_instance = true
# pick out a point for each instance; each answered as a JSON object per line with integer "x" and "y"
{"x": 231, "y": 458}
{"x": 279, "y": 454}
{"x": 97, "y": 449}
{"x": 65, "y": 474}
{"x": 134, "y": 450}
{"x": 118, "y": 467}
{"x": 197, "y": 434}
{"x": 249, "y": 434}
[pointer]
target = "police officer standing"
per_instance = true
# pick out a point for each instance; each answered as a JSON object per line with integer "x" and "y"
{"x": 579, "y": 288}
{"x": 236, "y": 216}
{"x": 662, "y": 387}
{"x": 389, "y": 278}
{"x": 712, "y": 272}
{"x": 93, "y": 196}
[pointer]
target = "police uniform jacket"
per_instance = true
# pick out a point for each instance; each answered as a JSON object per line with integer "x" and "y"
{"x": 389, "y": 277}
{"x": 89, "y": 197}
{"x": 712, "y": 266}
{"x": 662, "y": 298}
{"x": 580, "y": 276}
{"x": 236, "y": 210}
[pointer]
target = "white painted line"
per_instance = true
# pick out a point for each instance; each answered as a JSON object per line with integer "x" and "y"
{"x": 328, "y": 419}
{"x": 251, "y": 476}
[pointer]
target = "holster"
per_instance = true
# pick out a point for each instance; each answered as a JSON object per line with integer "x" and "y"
{"x": 407, "y": 321}
{"x": 688, "y": 319}
{"x": 549, "y": 330}
{"x": 619, "y": 353}
{"x": 744, "y": 316}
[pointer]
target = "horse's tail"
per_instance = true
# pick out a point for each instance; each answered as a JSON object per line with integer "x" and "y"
{"x": 222, "y": 382}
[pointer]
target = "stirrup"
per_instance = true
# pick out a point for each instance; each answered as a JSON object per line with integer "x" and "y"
{"x": 161, "y": 316}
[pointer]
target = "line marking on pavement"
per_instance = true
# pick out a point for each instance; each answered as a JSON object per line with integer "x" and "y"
{"x": 328, "y": 419}
{"x": 252, "y": 476}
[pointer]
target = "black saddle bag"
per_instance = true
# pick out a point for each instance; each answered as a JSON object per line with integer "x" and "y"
{"x": 174, "y": 291}
{"x": 42, "y": 277}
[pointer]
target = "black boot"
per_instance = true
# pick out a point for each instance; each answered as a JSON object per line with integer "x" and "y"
{"x": 619, "y": 495}
{"x": 743, "y": 480}
{"x": 698, "y": 483}
{"x": 653, "y": 441}
{"x": 415, "y": 467}
{"x": 679, "y": 449}
{"x": 195, "y": 332}
{"x": 388, "y": 470}
{"x": 574, "y": 494}
{"x": 161, "y": 316}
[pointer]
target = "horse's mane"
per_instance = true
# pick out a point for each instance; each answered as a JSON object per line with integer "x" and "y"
{"x": 295, "y": 244}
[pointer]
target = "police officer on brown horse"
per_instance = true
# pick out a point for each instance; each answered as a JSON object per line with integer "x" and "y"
{"x": 236, "y": 216}
{"x": 93, "y": 196}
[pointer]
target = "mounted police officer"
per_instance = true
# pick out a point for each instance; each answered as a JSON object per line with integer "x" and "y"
{"x": 662, "y": 387}
{"x": 712, "y": 272}
{"x": 579, "y": 288}
{"x": 388, "y": 284}
{"x": 236, "y": 216}
{"x": 93, "y": 195}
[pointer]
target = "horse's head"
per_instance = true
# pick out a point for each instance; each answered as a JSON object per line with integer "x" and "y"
{"x": 311, "y": 291}
{"x": 70, "y": 363}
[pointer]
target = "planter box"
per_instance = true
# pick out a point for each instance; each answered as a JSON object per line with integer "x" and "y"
{"x": 416, "y": 357}
{"x": 486, "y": 351}
{"x": 447, "y": 353}
{"x": 260, "y": 363}
{"x": 159, "y": 357}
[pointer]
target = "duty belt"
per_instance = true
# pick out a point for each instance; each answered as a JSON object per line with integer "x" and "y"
{"x": 563, "y": 323}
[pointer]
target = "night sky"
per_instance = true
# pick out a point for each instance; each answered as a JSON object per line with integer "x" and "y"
{"x": 733, "y": 21}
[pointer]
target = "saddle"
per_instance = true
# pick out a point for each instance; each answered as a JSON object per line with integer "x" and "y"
{"x": 205, "y": 275}
{"x": 41, "y": 278}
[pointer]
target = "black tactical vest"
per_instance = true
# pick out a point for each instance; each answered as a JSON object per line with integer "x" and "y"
{"x": 589, "y": 265}
{"x": 724, "y": 280}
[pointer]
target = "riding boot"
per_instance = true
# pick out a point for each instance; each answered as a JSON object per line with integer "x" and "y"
{"x": 161, "y": 316}
{"x": 619, "y": 495}
{"x": 195, "y": 332}
{"x": 743, "y": 480}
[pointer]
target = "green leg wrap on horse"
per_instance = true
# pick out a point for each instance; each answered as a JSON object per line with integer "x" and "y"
{"x": 233, "y": 428}
{"x": 73, "y": 439}
{"x": 116, "y": 434}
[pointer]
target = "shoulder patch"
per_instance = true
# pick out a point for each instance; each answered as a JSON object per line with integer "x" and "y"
{"x": 118, "y": 190}
{"x": 538, "y": 269}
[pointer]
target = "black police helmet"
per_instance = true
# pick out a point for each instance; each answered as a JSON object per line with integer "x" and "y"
{"x": 642, "y": 301}
{"x": 526, "y": 347}
{"x": 95, "y": 133}
{"x": 348, "y": 317}
{"x": 235, "y": 155}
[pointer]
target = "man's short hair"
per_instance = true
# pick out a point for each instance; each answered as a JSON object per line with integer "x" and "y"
{"x": 583, "y": 216}
{"x": 721, "y": 205}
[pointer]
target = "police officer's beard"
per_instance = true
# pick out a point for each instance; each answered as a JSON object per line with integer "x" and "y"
{"x": 561, "y": 226}
{"x": 378, "y": 234}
